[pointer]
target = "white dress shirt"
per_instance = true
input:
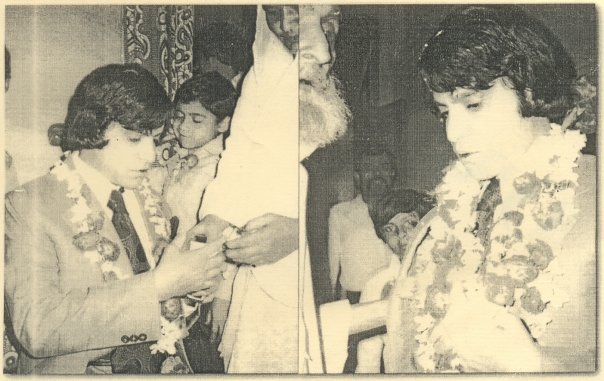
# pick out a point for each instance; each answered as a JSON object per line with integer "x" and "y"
{"x": 355, "y": 251}
{"x": 101, "y": 188}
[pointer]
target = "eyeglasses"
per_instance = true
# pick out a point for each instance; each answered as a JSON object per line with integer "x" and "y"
{"x": 179, "y": 117}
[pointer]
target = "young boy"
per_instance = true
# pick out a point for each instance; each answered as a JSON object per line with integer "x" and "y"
{"x": 204, "y": 106}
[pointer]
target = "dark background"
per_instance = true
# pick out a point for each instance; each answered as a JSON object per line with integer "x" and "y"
{"x": 378, "y": 47}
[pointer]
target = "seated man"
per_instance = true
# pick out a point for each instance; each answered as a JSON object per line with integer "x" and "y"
{"x": 355, "y": 251}
{"x": 83, "y": 276}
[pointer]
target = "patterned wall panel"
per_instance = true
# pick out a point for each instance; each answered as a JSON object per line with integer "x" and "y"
{"x": 160, "y": 37}
{"x": 175, "y": 26}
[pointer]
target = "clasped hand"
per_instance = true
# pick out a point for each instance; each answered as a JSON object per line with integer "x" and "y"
{"x": 182, "y": 271}
{"x": 263, "y": 240}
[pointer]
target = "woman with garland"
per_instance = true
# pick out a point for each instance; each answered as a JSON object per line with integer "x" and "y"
{"x": 501, "y": 275}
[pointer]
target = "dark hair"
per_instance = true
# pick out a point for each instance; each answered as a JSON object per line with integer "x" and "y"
{"x": 7, "y": 73}
{"x": 399, "y": 201}
{"x": 477, "y": 45}
{"x": 212, "y": 90}
{"x": 226, "y": 42}
{"x": 125, "y": 93}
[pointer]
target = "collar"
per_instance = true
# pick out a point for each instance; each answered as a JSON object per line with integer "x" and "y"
{"x": 214, "y": 146}
{"x": 100, "y": 186}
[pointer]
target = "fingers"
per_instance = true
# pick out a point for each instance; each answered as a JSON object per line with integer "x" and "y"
{"x": 213, "y": 288}
{"x": 248, "y": 238}
{"x": 243, "y": 255}
{"x": 199, "y": 229}
{"x": 211, "y": 226}
{"x": 256, "y": 260}
{"x": 213, "y": 273}
{"x": 211, "y": 249}
{"x": 259, "y": 222}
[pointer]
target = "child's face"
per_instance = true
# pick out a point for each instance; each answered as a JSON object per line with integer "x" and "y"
{"x": 194, "y": 125}
{"x": 397, "y": 231}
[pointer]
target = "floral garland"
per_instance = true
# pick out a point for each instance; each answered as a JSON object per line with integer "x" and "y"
{"x": 100, "y": 250}
{"x": 582, "y": 117}
{"x": 515, "y": 266}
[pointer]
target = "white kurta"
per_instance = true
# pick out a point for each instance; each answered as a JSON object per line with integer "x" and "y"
{"x": 258, "y": 174}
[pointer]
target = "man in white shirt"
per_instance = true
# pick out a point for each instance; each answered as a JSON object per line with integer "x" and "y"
{"x": 355, "y": 251}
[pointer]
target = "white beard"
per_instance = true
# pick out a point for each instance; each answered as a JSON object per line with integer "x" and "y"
{"x": 324, "y": 115}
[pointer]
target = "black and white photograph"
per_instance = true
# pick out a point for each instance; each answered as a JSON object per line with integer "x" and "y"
{"x": 301, "y": 189}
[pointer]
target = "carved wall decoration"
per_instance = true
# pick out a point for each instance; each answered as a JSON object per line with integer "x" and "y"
{"x": 160, "y": 37}
{"x": 175, "y": 25}
{"x": 137, "y": 46}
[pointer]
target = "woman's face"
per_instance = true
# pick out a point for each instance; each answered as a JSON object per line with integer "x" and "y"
{"x": 485, "y": 127}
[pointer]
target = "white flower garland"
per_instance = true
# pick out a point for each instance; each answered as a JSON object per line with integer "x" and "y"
{"x": 103, "y": 252}
{"x": 518, "y": 270}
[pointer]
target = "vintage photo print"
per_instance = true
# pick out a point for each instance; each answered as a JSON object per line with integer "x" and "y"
{"x": 313, "y": 188}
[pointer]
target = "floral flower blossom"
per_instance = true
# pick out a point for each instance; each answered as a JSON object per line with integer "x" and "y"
{"x": 517, "y": 269}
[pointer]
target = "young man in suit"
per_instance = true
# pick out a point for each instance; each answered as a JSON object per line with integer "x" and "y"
{"x": 83, "y": 275}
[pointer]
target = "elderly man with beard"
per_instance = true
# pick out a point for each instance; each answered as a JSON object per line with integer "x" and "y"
{"x": 323, "y": 119}
{"x": 271, "y": 325}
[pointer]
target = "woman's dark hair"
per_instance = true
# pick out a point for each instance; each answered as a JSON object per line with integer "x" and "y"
{"x": 477, "y": 45}
{"x": 212, "y": 90}
{"x": 125, "y": 93}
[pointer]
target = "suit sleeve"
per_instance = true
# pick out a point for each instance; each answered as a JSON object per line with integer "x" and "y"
{"x": 334, "y": 248}
{"x": 49, "y": 320}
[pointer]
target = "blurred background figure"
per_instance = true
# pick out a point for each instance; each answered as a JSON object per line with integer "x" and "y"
{"x": 222, "y": 47}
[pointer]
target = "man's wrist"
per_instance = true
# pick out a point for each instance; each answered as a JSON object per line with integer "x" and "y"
{"x": 161, "y": 285}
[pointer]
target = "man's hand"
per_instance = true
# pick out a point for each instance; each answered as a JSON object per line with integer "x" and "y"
{"x": 265, "y": 239}
{"x": 220, "y": 311}
{"x": 210, "y": 226}
{"x": 180, "y": 272}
